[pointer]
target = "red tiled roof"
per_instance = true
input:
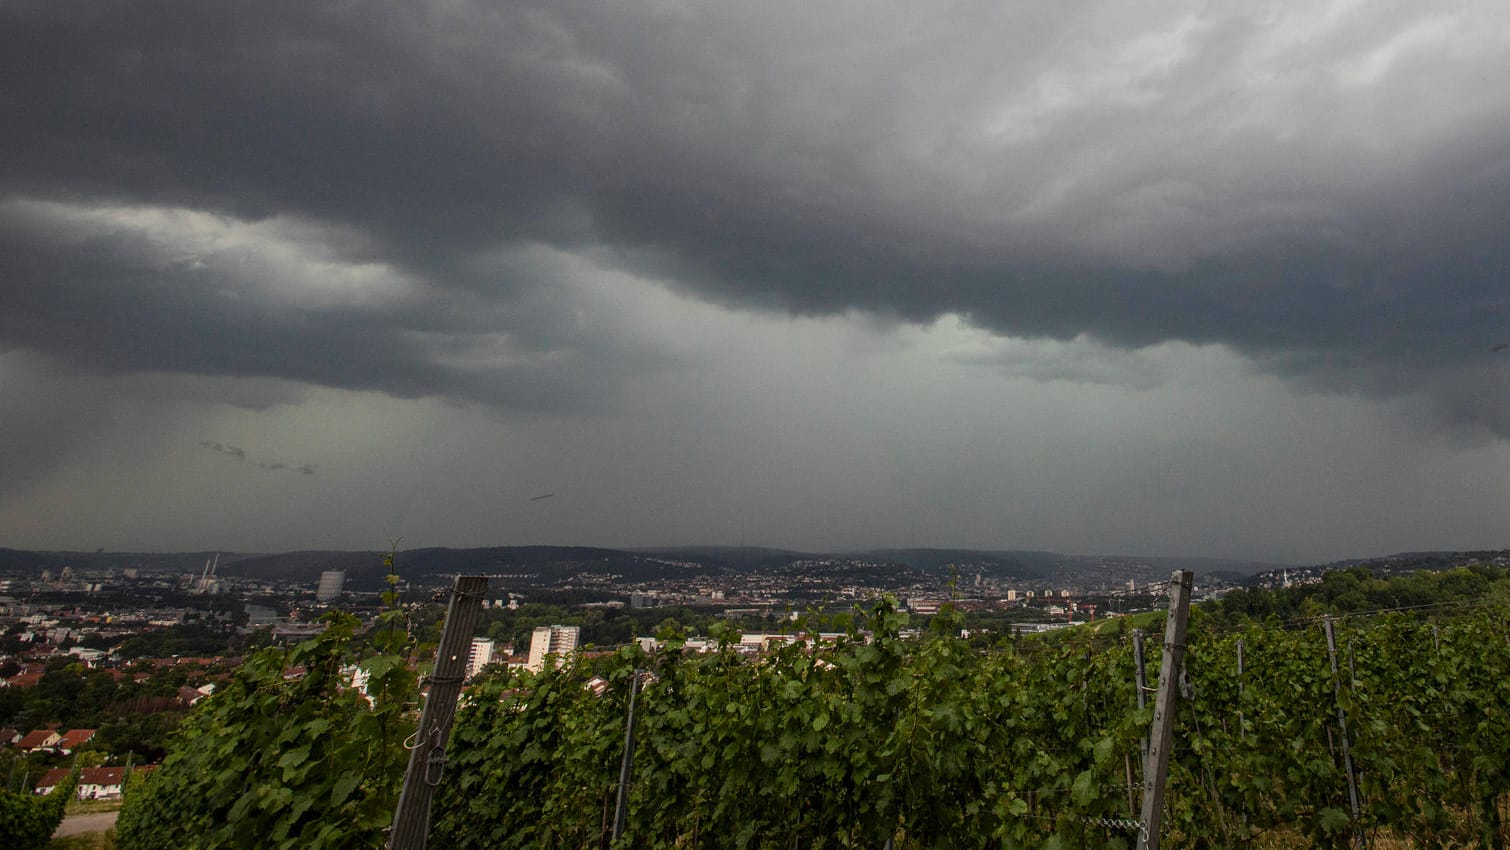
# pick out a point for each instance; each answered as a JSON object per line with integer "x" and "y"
{"x": 75, "y": 738}
{"x": 33, "y": 739}
{"x": 90, "y": 775}
{"x": 52, "y": 777}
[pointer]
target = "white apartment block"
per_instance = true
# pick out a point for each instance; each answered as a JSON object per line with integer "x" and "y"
{"x": 479, "y": 656}
{"x": 551, "y": 641}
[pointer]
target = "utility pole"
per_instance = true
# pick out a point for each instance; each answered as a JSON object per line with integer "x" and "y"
{"x": 411, "y": 821}
{"x": 1156, "y": 769}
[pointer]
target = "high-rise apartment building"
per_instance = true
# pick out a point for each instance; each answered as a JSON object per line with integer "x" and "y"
{"x": 479, "y": 656}
{"x": 550, "y": 641}
{"x": 331, "y": 584}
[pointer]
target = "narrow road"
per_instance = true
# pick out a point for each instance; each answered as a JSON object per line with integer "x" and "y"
{"x": 81, "y": 824}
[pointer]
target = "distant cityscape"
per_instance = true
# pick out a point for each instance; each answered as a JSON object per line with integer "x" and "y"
{"x": 81, "y": 609}
{"x": 48, "y": 604}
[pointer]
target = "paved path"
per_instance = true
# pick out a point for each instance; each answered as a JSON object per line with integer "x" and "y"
{"x": 81, "y": 824}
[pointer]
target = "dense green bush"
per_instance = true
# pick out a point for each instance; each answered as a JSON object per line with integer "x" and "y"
{"x": 272, "y": 761}
{"x": 928, "y": 742}
{"x": 26, "y": 822}
{"x": 1426, "y": 707}
{"x": 934, "y": 745}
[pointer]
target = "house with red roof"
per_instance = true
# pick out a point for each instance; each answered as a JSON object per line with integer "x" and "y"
{"x": 73, "y": 739}
{"x": 39, "y": 739}
{"x": 188, "y": 696}
{"x": 28, "y": 679}
{"x": 95, "y": 783}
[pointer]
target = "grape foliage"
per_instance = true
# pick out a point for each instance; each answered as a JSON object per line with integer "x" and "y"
{"x": 923, "y": 742}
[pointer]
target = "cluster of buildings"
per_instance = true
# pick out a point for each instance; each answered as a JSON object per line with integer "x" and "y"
{"x": 550, "y": 644}
{"x": 546, "y": 642}
{"x": 42, "y": 626}
{"x": 48, "y": 739}
{"x": 95, "y": 783}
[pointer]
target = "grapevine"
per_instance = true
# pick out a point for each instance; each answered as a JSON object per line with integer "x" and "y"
{"x": 929, "y": 743}
{"x": 923, "y": 742}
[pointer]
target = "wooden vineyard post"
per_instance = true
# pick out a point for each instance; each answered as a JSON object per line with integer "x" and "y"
{"x": 1156, "y": 769}
{"x": 411, "y": 820}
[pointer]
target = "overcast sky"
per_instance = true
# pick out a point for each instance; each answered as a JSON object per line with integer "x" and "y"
{"x": 1157, "y": 278}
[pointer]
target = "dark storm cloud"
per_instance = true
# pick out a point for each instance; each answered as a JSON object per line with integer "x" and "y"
{"x": 1324, "y": 190}
{"x": 119, "y": 289}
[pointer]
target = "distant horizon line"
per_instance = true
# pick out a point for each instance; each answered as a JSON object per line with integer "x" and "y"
{"x": 756, "y": 547}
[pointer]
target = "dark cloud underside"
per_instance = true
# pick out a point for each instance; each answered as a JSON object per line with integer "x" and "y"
{"x": 1326, "y": 191}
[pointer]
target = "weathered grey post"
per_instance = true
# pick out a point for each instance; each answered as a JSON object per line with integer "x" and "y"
{"x": 411, "y": 820}
{"x": 1241, "y": 732}
{"x": 1156, "y": 769}
{"x": 1142, "y": 670}
{"x": 1141, "y": 683}
{"x": 1347, "y": 752}
{"x": 626, "y": 767}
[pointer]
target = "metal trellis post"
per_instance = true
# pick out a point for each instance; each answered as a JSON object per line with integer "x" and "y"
{"x": 1142, "y": 670}
{"x": 1156, "y": 768}
{"x": 1347, "y": 752}
{"x": 626, "y": 767}
{"x": 411, "y": 820}
{"x": 1141, "y": 685}
{"x": 1241, "y": 731}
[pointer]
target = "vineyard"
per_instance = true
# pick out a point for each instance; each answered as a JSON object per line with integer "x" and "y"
{"x": 1396, "y": 730}
{"x": 931, "y": 744}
